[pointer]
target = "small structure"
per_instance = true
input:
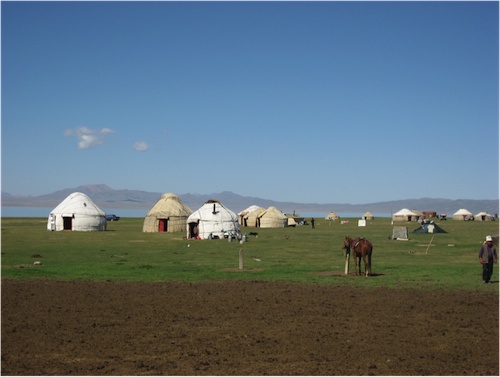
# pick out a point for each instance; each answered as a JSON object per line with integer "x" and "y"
{"x": 368, "y": 216}
{"x": 400, "y": 233}
{"x": 272, "y": 218}
{"x": 294, "y": 219}
{"x": 248, "y": 217}
{"x": 429, "y": 227}
{"x": 77, "y": 213}
{"x": 483, "y": 216}
{"x": 332, "y": 216}
{"x": 169, "y": 214}
{"x": 213, "y": 220}
{"x": 405, "y": 215}
{"x": 463, "y": 215}
{"x": 429, "y": 214}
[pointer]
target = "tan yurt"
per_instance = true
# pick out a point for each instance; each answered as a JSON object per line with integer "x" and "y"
{"x": 332, "y": 216}
{"x": 169, "y": 214}
{"x": 248, "y": 217}
{"x": 483, "y": 216}
{"x": 368, "y": 216}
{"x": 463, "y": 215}
{"x": 405, "y": 215}
{"x": 272, "y": 218}
{"x": 294, "y": 219}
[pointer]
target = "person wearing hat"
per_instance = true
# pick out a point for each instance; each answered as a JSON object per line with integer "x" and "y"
{"x": 487, "y": 256}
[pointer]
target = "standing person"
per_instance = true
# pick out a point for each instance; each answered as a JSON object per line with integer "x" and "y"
{"x": 312, "y": 223}
{"x": 487, "y": 256}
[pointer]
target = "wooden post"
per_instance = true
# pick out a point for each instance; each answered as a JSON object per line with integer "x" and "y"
{"x": 429, "y": 244}
{"x": 241, "y": 259}
{"x": 347, "y": 255}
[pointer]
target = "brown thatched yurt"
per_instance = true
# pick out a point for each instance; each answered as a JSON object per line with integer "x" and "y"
{"x": 248, "y": 217}
{"x": 272, "y": 218}
{"x": 332, "y": 216}
{"x": 169, "y": 214}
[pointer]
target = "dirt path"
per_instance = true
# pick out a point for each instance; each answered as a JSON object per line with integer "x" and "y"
{"x": 244, "y": 328}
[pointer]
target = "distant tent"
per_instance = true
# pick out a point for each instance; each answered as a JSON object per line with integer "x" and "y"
{"x": 483, "y": 216}
{"x": 169, "y": 214}
{"x": 462, "y": 214}
{"x": 212, "y": 220}
{"x": 332, "y": 216}
{"x": 429, "y": 227}
{"x": 272, "y": 218}
{"x": 404, "y": 215}
{"x": 77, "y": 213}
{"x": 294, "y": 219}
{"x": 368, "y": 216}
{"x": 248, "y": 217}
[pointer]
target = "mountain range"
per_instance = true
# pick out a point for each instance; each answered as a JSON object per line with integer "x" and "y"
{"x": 106, "y": 197}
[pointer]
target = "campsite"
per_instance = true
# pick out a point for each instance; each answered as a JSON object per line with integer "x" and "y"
{"x": 127, "y": 302}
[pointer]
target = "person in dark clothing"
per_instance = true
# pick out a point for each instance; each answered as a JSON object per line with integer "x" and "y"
{"x": 312, "y": 223}
{"x": 487, "y": 256}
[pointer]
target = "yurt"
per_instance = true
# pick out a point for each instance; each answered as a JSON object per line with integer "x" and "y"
{"x": 483, "y": 216}
{"x": 77, "y": 213}
{"x": 272, "y": 218}
{"x": 212, "y": 220}
{"x": 368, "y": 216}
{"x": 332, "y": 216}
{"x": 169, "y": 214}
{"x": 248, "y": 217}
{"x": 294, "y": 219}
{"x": 462, "y": 214}
{"x": 404, "y": 215}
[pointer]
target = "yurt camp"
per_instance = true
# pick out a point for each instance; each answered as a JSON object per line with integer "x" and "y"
{"x": 213, "y": 220}
{"x": 405, "y": 215}
{"x": 463, "y": 215}
{"x": 169, "y": 214}
{"x": 248, "y": 217}
{"x": 332, "y": 216}
{"x": 272, "y": 218}
{"x": 77, "y": 213}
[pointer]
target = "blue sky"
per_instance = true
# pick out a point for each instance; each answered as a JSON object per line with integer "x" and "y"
{"x": 325, "y": 102}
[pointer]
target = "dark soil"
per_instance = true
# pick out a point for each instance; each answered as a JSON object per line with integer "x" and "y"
{"x": 244, "y": 328}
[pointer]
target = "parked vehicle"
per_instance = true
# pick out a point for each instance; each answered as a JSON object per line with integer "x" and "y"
{"x": 112, "y": 218}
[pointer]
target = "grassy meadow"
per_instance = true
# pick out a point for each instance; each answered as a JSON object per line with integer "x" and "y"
{"x": 300, "y": 254}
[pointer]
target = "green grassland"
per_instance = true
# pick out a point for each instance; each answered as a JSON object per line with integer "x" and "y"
{"x": 300, "y": 254}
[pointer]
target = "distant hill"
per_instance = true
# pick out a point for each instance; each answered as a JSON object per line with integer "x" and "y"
{"x": 106, "y": 197}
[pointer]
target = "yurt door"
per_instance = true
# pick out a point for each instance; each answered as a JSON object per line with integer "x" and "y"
{"x": 67, "y": 223}
{"x": 162, "y": 225}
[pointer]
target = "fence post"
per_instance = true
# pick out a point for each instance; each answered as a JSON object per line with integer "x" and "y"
{"x": 241, "y": 259}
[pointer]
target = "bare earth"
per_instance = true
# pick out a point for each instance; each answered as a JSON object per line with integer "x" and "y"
{"x": 244, "y": 328}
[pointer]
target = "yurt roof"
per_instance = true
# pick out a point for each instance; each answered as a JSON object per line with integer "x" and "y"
{"x": 462, "y": 211}
{"x": 206, "y": 212}
{"x": 368, "y": 214}
{"x": 78, "y": 203}
{"x": 405, "y": 212}
{"x": 170, "y": 205}
{"x": 250, "y": 209}
{"x": 272, "y": 212}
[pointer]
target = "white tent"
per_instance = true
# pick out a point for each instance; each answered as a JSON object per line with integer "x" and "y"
{"x": 368, "y": 216}
{"x": 248, "y": 217}
{"x": 404, "y": 215}
{"x": 462, "y": 214}
{"x": 77, "y": 213}
{"x": 483, "y": 216}
{"x": 169, "y": 214}
{"x": 272, "y": 218}
{"x": 212, "y": 220}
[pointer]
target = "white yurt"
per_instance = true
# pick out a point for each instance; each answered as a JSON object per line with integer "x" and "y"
{"x": 368, "y": 216}
{"x": 248, "y": 217}
{"x": 405, "y": 215}
{"x": 272, "y": 218}
{"x": 332, "y": 216}
{"x": 77, "y": 213}
{"x": 484, "y": 216}
{"x": 462, "y": 214}
{"x": 169, "y": 214}
{"x": 213, "y": 220}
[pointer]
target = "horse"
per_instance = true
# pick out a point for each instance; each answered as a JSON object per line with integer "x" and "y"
{"x": 361, "y": 248}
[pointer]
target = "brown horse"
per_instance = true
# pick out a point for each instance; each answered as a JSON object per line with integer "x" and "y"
{"x": 361, "y": 248}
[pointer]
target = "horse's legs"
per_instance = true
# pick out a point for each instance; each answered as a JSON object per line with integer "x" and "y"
{"x": 370, "y": 264}
{"x": 366, "y": 264}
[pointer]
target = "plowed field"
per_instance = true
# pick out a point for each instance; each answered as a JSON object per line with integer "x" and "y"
{"x": 244, "y": 328}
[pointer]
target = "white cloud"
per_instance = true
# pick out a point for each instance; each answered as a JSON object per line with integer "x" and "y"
{"x": 140, "y": 146}
{"x": 87, "y": 137}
